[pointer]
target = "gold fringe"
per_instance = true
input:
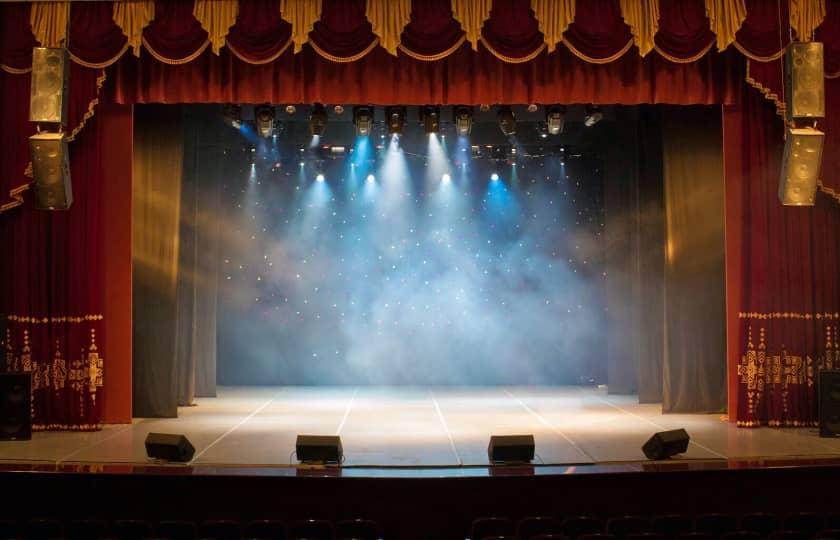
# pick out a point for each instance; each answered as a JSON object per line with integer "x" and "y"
{"x": 433, "y": 57}
{"x": 67, "y": 427}
{"x": 91, "y": 108}
{"x": 175, "y": 61}
{"x": 789, "y": 315}
{"x": 510, "y": 59}
{"x": 592, "y": 60}
{"x": 16, "y": 194}
{"x": 15, "y": 71}
{"x": 344, "y": 59}
{"x": 751, "y": 56}
{"x": 688, "y": 60}
{"x": 828, "y": 191}
{"x": 23, "y": 319}
{"x": 832, "y": 75}
{"x": 766, "y": 92}
{"x": 272, "y": 58}
{"x": 98, "y": 65}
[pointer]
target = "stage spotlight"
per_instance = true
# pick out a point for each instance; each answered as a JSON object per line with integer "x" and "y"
{"x": 233, "y": 115}
{"x": 430, "y": 116}
{"x": 494, "y": 177}
{"x": 462, "y": 117}
{"x": 291, "y": 109}
{"x": 264, "y": 116}
{"x": 554, "y": 119}
{"x": 317, "y": 120}
{"x": 338, "y": 109}
{"x": 363, "y": 120}
{"x": 371, "y": 179}
{"x": 593, "y": 115}
{"x": 532, "y": 107}
{"x": 507, "y": 121}
{"x": 445, "y": 178}
{"x": 484, "y": 107}
{"x": 395, "y": 117}
{"x": 319, "y": 177}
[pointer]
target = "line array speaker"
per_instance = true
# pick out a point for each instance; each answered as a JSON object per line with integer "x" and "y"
{"x": 169, "y": 446}
{"x": 804, "y": 80}
{"x": 48, "y": 91}
{"x": 801, "y": 166}
{"x": 666, "y": 444}
{"x": 15, "y": 406}
{"x": 51, "y": 171}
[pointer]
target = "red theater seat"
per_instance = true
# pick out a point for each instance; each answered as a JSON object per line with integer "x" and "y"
{"x": 760, "y": 522}
{"x": 265, "y": 529}
{"x": 575, "y": 527}
{"x": 358, "y": 529}
{"x": 312, "y": 529}
{"x": 491, "y": 526}
{"x": 623, "y": 526}
{"x": 528, "y": 527}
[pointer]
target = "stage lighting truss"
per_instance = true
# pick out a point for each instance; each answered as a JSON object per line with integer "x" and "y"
{"x": 462, "y": 117}
{"x": 317, "y": 120}
{"x": 264, "y": 117}
{"x": 593, "y": 115}
{"x": 395, "y": 119}
{"x": 507, "y": 121}
{"x": 554, "y": 119}
{"x": 430, "y": 116}
{"x": 233, "y": 115}
{"x": 363, "y": 120}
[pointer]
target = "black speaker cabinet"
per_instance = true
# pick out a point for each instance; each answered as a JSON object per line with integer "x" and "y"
{"x": 828, "y": 389}
{"x": 15, "y": 406}
{"x": 511, "y": 448}
{"x": 319, "y": 448}
{"x": 169, "y": 446}
{"x": 666, "y": 444}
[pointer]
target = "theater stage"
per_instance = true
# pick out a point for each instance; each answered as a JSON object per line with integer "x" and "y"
{"x": 419, "y": 427}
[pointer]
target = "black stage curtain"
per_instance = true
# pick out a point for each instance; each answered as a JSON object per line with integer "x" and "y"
{"x": 694, "y": 362}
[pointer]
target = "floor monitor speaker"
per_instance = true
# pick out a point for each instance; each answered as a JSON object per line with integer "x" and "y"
{"x": 15, "y": 406}
{"x": 319, "y": 448}
{"x": 169, "y": 446}
{"x": 511, "y": 448}
{"x": 666, "y": 444}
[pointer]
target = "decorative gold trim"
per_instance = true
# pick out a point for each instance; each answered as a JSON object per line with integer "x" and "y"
{"x": 510, "y": 59}
{"x": 688, "y": 60}
{"x": 91, "y": 110}
{"x": 592, "y": 60}
{"x": 15, "y": 71}
{"x": 433, "y": 57}
{"x": 175, "y": 61}
{"x": 99, "y": 65}
{"x": 832, "y": 75}
{"x": 23, "y": 319}
{"x": 344, "y": 59}
{"x": 766, "y": 92}
{"x": 751, "y": 56}
{"x": 67, "y": 427}
{"x": 16, "y": 194}
{"x": 788, "y": 315}
{"x": 272, "y": 58}
{"x": 828, "y": 191}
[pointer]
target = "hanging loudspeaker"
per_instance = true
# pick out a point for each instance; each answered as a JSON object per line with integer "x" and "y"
{"x": 804, "y": 80}
{"x": 800, "y": 166}
{"x": 48, "y": 91}
{"x": 51, "y": 171}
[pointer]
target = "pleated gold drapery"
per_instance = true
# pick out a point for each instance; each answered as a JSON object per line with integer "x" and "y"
{"x": 132, "y": 16}
{"x": 302, "y": 14}
{"x": 49, "y": 22}
{"x": 642, "y": 16}
{"x": 554, "y": 17}
{"x": 725, "y": 18}
{"x": 805, "y": 17}
{"x": 216, "y": 17}
{"x": 388, "y": 18}
{"x": 472, "y": 14}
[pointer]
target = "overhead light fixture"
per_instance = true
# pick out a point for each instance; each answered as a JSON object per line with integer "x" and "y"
{"x": 264, "y": 116}
{"x": 395, "y": 118}
{"x": 233, "y": 115}
{"x": 363, "y": 120}
{"x": 462, "y": 117}
{"x": 532, "y": 107}
{"x": 430, "y": 116}
{"x": 338, "y": 109}
{"x": 554, "y": 119}
{"x": 291, "y": 109}
{"x": 506, "y": 120}
{"x": 317, "y": 120}
{"x": 593, "y": 115}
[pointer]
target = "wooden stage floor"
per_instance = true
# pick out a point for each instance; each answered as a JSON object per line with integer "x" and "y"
{"x": 419, "y": 427}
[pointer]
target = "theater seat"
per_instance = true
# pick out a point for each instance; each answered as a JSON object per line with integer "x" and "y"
{"x": 311, "y": 529}
{"x": 358, "y": 529}
{"x": 528, "y": 527}
{"x": 177, "y": 530}
{"x": 86, "y": 529}
{"x": 672, "y": 525}
{"x": 575, "y": 527}
{"x": 491, "y": 526}
{"x": 806, "y": 522}
{"x": 43, "y": 529}
{"x": 715, "y": 525}
{"x": 787, "y": 535}
{"x": 626, "y": 525}
{"x": 221, "y": 530}
{"x": 760, "y": 522}
{"x": 131, "y": 529}
{"x": 265, "y": 529}
{"x": 741, "y": 535}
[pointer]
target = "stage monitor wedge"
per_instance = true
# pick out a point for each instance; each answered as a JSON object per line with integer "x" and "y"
{"x": 828, "y": 390}
{"x": 51, "y": 171}
{"x": 15, "y": 406}
{"x": 319, "y": 449}
{"x": 511, "y": 449}
{"x": 48, "y": 90}
{"x": 666, "y": 444}
{"x": 169, "y": 447}
{"x": 801, "y": 166}
{"x": 804, "y": 80}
